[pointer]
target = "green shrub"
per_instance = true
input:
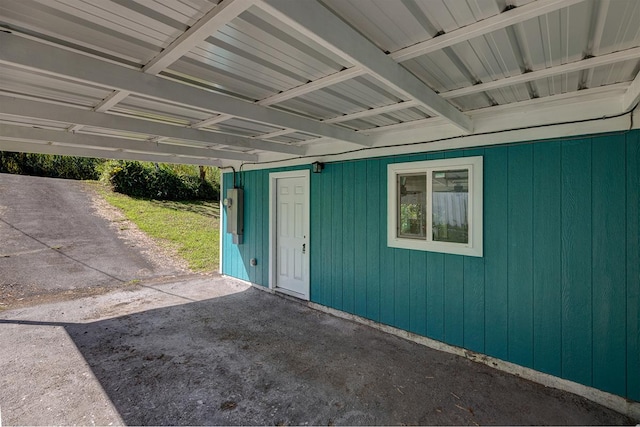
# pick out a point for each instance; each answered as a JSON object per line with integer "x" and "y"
{"x": 157, "y": 182}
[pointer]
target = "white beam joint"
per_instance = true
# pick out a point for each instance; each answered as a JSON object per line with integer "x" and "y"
{"x": 632, "y": 95}
{"x": 322, "y": 82}
{"x": 211, "y": 121}
{"x": 373, "y": 112}
{"x": 110, "y": 101}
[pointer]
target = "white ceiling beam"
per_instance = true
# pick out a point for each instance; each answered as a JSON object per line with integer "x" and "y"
{"x": 275, "y": 133}
{"x": 211, "y": 121}
{"x": 503, "y": 20}
{"x": 323, "y": 27}
{"x": 68, "y": 150}
{"x": 217, "y": 17}
{"x": 14, "y": 132}
{"x": 57, "y": 113}
{"x": 110, "y": 101}
{"x": 373, "y": 112}
{"x": 632, "y": 95}
{"x": 29, "y": 54}
{"x": 610, "y": 58}
{"x": 322, "y": 82}
{"x": 593, "y": 48}
{"x": 220, "y": 15}
{"x": 497, "y": 22}
{"x": 564, "y": 107}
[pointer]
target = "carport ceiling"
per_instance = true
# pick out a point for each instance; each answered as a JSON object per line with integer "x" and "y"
{"x": 193, "y": 81}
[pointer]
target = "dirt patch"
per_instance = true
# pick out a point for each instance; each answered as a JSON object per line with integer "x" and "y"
{"x": 159, "y": 253}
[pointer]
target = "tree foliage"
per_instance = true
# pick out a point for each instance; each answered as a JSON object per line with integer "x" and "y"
{"x": 49, "y": 165}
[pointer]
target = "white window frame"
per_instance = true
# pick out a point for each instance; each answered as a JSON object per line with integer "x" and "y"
{"x": 474, "y": 246}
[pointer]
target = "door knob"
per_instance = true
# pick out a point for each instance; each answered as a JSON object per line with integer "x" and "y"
{"x": 304, "y": 248}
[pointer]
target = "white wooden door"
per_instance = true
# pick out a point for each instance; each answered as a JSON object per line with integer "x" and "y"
{"x": 292, "y": 245}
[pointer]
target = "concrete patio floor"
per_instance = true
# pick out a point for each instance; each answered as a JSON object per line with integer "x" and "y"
{"x": 211, "y": 350}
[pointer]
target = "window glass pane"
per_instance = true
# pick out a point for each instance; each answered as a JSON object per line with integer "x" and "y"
{"x": 412, "y": 206}
{"x": 450, "y": 206}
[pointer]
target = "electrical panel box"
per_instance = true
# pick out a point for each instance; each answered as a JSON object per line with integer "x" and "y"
{"x": 234, "y": 204}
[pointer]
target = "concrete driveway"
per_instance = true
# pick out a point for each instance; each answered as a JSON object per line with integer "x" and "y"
{"x": 52, "y": 242}
{"x": 211, "y": 350}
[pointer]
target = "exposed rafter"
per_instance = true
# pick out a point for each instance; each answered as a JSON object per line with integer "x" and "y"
{"x": 323, "y": 27}
{"x": 208, "y": 24}
{"x": 14, "y": 132}
{"x": 45, "y": 111}
{"x": 505, "y": 19}
{"x": 373, "y": 112}
{"x": 211, "y": 121}
{"x": 611, "y": 58}
{"x": 68, "y": 150}
{"x": 323, "y": 82}
{"x": 111, "y": 100}
{"x": 26, "y": 53}
{"x": 219, "y": 16}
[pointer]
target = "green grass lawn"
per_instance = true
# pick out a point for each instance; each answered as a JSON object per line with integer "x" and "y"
{"x": 191, "y": 227}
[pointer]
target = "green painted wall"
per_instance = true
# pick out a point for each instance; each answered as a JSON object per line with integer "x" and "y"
{"x": 558, "y": 289}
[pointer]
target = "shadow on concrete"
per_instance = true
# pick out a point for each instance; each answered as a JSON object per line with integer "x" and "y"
{"x": 254, "y": 358}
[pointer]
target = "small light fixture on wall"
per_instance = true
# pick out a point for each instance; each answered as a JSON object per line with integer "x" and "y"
{"x": 317, "y": 167}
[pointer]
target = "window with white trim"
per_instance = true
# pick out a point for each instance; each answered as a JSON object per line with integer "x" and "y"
{"x": 436, "y": 205}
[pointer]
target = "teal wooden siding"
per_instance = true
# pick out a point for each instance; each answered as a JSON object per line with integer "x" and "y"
{"x": 558, "y": 288}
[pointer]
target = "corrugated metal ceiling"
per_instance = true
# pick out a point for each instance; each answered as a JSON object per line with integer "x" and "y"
{"x": 254, "y": 56}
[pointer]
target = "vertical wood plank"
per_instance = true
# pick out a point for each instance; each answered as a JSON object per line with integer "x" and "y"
{"x": 435, "y": 296}
{"x": 259, "y": 227}
{"x": 266, "y": 229}
{"x": 418, "y": 292}
{"x": 473, "y": 319}
{"x": 373, "y": 237}
{"x": 315, "y": 237}
{"x": 226, "y": 259}
{"x": 547, "y": 264}
{"x": 576, "y": 261}
{"x": 402, "y": 289}
{"x": 360, "y": 240}
{"x": 453, "y": 299}
{"x": 387, "y": 258}
{"x": 633, "y": 266}
{"x": 348, "y": 237}
{"x": 609, "y": 263}
{"x": 496, "y": 252}
{"x": 520, "y": 241}
{"x": 249, "y": 237}
{"x": 337, "y": 230}
{"x": 326, "y": 295}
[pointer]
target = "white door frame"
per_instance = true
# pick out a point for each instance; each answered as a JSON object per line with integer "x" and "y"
{"x": 273, "y": 179}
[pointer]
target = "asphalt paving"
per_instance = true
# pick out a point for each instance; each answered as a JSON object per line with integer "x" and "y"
{"x": 51, "y": 240}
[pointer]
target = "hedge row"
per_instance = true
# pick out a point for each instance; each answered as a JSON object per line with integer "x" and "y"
{"x": 157, "y": 182}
